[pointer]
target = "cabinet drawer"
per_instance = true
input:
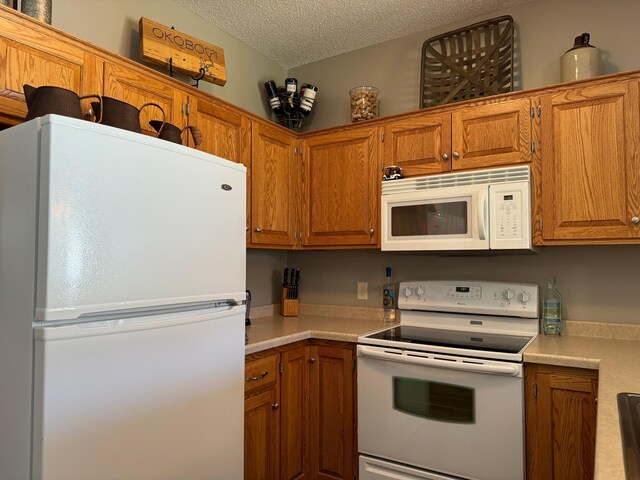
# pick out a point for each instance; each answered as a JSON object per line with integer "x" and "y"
{"x": 260, "y": 373}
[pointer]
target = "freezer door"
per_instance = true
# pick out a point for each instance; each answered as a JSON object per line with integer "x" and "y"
{"x": 156, "y": 398}
{"x": 128, "y": 221}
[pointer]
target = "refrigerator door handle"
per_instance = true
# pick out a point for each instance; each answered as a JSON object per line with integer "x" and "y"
{"x": 146, "y": 322}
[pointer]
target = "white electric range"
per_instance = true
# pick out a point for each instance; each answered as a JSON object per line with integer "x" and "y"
{"x": 441, "y": 396}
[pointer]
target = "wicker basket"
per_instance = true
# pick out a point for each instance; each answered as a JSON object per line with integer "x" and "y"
{"x": 470, "y": 62}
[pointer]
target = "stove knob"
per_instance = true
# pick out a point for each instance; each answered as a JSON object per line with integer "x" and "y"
{"x": 524, "y": 297}
{"x": 508, "y": 294}
{"x": 407, "y": 291}
{"x": 420, "y": 290}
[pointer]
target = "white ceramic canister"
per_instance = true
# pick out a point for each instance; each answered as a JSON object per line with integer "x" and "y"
{"x": 581, "y": 61}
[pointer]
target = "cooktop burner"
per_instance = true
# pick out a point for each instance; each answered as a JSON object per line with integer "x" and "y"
{"x": 479, "y": 341}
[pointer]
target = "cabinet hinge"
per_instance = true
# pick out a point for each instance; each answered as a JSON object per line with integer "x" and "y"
{"x": 535, "y": 390}
{"x": 540, "y": 223}
{"x": 280, "y": 367}
{"x": 539, "y": 110}
{"x": 533, "y": 147}
{"x": 295, "y": 150}
{"x": 188, "y": 109}
{"x": 532, "y": 112}
{"x": 382, "y": 137}
{"x": 353, "y": 364}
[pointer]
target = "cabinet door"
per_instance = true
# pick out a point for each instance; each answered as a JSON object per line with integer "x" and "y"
{"x": 274, "y": 186}
{"x": 341, "y": 189}
{"x": 560, "y": 422}
{"x": 491, "y": 135}
{"x": 294, "y": 435}
{"x": 332, "y": 428}
{"x": 138, "y": 88}
{"x": 420, "y": 145}
{"x": 590, "y": 165}
{"x": 32, "y": 56}
{"x": 262, "y": 436}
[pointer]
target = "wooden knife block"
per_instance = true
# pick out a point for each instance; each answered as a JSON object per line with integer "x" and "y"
{"x": 288, "y": 306}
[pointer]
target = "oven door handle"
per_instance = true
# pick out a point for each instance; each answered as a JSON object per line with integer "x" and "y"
{"x": 509, "y": 370}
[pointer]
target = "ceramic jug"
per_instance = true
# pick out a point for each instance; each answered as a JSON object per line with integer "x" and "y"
{"x": 173, "y": 134}
{"x": 44, "y": 100}
{"x": 580, "y": 61}
{"x": 117, "y": 113}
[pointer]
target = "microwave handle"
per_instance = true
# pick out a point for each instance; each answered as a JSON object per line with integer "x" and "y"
{"x": 482, "y": 214}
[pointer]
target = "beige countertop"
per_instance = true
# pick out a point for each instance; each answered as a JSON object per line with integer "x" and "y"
{"x": 274, "y": 331}
{"x": 617, "y": 359}
{"x": 618, "y": 362}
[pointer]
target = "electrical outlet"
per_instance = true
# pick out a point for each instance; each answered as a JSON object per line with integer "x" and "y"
{"x": 363, "y": 290}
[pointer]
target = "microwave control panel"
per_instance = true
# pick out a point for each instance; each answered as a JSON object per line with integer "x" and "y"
{"x": 510, "y": 215}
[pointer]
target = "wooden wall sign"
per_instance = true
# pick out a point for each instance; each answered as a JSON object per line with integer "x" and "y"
{"x": 159, "y": 43}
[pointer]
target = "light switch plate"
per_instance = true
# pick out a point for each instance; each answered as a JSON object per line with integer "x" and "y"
{"x": 363, "y": 290}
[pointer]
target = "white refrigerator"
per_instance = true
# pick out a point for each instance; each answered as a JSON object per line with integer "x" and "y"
{"x": 122, "y": 281}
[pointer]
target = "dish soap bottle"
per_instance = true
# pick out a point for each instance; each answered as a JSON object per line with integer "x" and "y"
{"x": 552, "y": 309}
{"x": 389, "y": 298}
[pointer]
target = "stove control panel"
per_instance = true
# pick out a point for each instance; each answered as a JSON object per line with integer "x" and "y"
{"x": 480, "y": 297}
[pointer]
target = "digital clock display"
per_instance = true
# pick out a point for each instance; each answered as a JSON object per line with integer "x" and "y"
{"x": 507, "y": 197}
{"x": 462, "y": 289}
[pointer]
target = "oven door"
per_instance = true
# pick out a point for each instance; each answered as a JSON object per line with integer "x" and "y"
{"x": 454, "y": 415}
{"x": 451, "y": 218}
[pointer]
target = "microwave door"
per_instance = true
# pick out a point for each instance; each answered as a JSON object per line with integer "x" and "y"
{"x": 451, "y": 218}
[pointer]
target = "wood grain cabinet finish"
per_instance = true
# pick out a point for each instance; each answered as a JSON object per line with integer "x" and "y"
{"x": 420, "y": 145}
{"x": 262, "y": 419}
{"x": 476, "y": 137}
{"x": 340, "y": 189}
{"x": 560, "y": 422}
{"x": 30, "y": 56}
{"x": 332, "y": 429}
{"x": 590, "y": 163}
{"x": 316, "y": 408}
{"x": 138, "y": 89}
{"x": 274, "y": 186}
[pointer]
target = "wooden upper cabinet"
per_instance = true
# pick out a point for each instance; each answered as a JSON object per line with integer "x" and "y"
{"x": 341, "y": 189}
{"x": 590, "y": 162}
{"x": 274, "y": 186}
{"x": 420, "y": 145}
{"x": 491, "y": 135}
{"x": 225, "y": 133}
{"x": 560, "y": 422}
{"x": 33, "y": 58}
{"x": 474, "y": 137}
{"x": 139, "y": 88}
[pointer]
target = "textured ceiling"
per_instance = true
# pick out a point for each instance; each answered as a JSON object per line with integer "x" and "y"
{"x": 297, "y": 32}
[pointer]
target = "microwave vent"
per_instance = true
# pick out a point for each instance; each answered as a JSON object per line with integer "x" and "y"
{"x": 477, "y": 177}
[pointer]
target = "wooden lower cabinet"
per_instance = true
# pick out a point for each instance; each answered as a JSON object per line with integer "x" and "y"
{"x": 560, "y": 422}
{"x": 314, "y": 395}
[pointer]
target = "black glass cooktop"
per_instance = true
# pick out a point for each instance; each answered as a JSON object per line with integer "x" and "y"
{"x": 490, "y": 342}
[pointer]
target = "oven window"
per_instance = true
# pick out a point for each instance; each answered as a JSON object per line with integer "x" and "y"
{"x": 434, "y": 400}
{"x": 447, "y": 218}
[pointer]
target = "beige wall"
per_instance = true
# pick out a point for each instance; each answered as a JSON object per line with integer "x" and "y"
{"x": 264, "y": 275}
{"x": 545, "y": 29}
{"x": 113, "y": 25}
{"x": 599, "y": 283}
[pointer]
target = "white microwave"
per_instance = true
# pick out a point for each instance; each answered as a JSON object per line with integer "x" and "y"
{"x": 477, "y": 210}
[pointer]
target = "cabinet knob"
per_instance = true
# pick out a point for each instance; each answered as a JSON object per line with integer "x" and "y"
{"x": 247, "y": 228}
{"x": 371, "y": 231}
{"x": 257, "y": 229}
{"x": 456, "y": 155}
{"x": 635, "y": 220}
{"x": 312, "y": 360}
{"x": 275, "y": 406}
{"x": 445, "y": 157}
